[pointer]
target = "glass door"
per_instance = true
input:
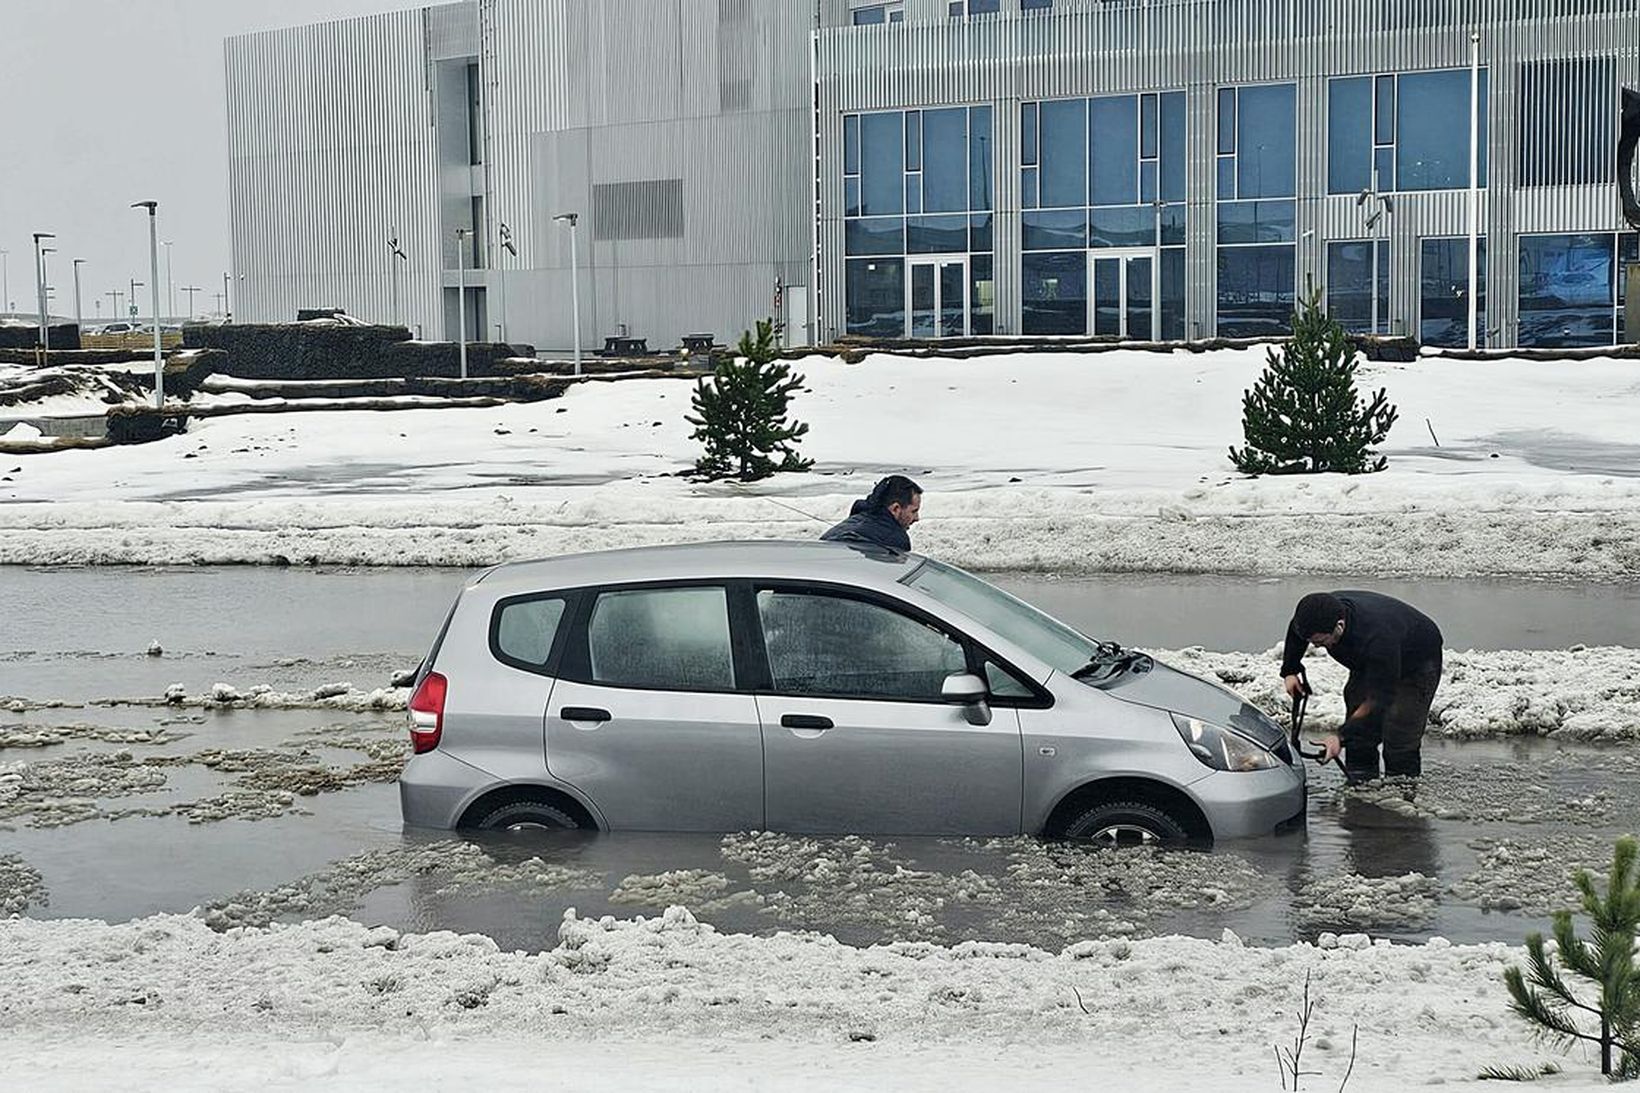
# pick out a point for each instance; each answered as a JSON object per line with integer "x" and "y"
{"x": 1123, "y": 300}
{"x": 937, "y": 301}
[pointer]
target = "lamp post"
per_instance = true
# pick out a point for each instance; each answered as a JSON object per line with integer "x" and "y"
{"x": 461, "y": 295}
{"x": 79, "y": 313}
{"x": 1474, "y": 174}
{"x": 40, "y": 287}
{"x": 153, "y": 274}
{"x": 394, "y": 257}
{"x": 191, "y": 290}
{"x": 227, "y": 311}
{"x": 572, "y": 219}
{"x": 501, "y": 273}
{"x": 170, "y": 286}
{"x": 1382, "y": 207}
{"x": 116, "y": 295}
{"x": 5, "y": 279}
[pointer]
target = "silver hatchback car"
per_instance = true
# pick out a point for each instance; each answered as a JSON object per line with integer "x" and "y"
{"x": 818, "y": 687}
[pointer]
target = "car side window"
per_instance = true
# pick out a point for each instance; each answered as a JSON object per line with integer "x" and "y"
{"x": 1003, "y": 683}
{"x": 524, "y": 629}
{"x": 832, "y": 645}
{"x": 674, "y": 639}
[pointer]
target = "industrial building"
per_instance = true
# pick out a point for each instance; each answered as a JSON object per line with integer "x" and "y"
{"x": 933, "y": 168}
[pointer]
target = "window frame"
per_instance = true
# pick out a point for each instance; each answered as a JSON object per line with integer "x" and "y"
{"x": 974, "y": 652}
{"x": 555, "y": 652}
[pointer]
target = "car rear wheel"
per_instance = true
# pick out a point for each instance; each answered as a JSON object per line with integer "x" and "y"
{"x": 522, "y": 815}
{"x": 1126, "y": 823}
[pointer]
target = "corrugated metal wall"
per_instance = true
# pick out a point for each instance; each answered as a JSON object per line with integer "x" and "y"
{"x": 1092, "y": 47}
{"x": 330, "y": 148}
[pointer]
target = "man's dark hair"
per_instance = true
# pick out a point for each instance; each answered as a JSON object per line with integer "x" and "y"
{"x": 896, "y": 489}
{"x": 1317, "y": 613}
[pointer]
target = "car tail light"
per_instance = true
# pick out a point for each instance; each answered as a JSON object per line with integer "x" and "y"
{"x": 427, "y": 712}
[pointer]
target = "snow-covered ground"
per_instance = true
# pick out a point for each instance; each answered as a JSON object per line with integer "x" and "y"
{"x": 1112, "y": 461}
{"x": 668, "y": 1003}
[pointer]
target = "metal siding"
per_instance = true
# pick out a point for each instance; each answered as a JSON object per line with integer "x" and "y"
{"x": 1083, "y": 48}
{"x": 330, "y": 145}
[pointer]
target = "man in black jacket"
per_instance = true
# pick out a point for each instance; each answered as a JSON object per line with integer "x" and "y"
{"x": 1393, "y": 652}
{"x": 884, "y": 516}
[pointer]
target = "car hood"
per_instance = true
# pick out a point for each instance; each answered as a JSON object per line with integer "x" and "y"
{"x": 1182, "y": 693}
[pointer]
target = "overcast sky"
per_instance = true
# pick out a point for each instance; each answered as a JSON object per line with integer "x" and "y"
{"x": 106, "y": 102}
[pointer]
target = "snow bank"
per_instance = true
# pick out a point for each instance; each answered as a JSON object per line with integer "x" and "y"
{"x": 1109, "y": 462}
{"x": 685, "y": 1003}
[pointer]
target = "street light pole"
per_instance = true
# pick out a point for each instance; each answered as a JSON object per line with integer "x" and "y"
{"x": 170, "y": 285}
{"x": 5, "y": 279}
{"x": 1474, "y": 174}
{"x": 153, "y": 273}
{"x": 79, "y": 314}
{"x": 116, "y": 295}
{"x": 461, "y": 295}
{"x": 191, "y": 290}
{"x": 40, "y": 287}
{"x": 45, "y": 289}
{"x": 574, "y": 283}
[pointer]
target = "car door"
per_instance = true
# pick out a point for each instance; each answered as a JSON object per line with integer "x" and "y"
{"x": 855, "y": 735}
{"x": 647, "y": 718}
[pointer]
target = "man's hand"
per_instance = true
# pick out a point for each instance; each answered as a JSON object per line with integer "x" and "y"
{"x": 1294, "y": 686}
{"x": 1333, "y": 746}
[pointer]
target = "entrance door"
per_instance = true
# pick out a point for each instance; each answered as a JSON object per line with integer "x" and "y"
{"x": 1123, "y": 300}
{"x": 936, "y": 304}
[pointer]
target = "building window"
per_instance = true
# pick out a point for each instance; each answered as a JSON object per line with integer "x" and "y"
{"x": 1100, "y": 174}
{"x": 475, "y": 116}
{"x": 1443, "y": 292}
{"x": 1257, "y": 179}
{"x": 918, "y": 182}
{"x": 868, "y": 15}
{"x": 1035, "y": 5}
{"x": 1571, "y": 288}
{"x": 1255, "y": 293}
{"x": 1054, "y": 292}
{"x": 1412, "y": 128}
{"x": 1565, "y": 122}
{"x": 1350, "y": 270}
{"x": 960, "y": 8}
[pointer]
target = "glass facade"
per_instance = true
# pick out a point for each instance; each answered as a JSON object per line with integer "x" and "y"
{"x": 917, "y": 182}
{"x": 1102, "y": 174}
{"x": 1257, "y": 183}
{"x": 1443, "y": 292}
{"x": 1412, "y": 126}
{"x": 1349, "y": 285}
{"x": 1570, "y": 288}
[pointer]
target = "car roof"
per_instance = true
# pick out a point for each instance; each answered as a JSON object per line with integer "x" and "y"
{"x": 861, "y": 564}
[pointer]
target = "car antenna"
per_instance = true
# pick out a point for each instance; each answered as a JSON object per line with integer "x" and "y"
{"x": 790, "y": 508}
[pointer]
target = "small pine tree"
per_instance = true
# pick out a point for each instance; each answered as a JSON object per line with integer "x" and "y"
{"x": 740, "y": 415}
{"x": 1304, "y": 416}
{"x": 1544, "y": 998}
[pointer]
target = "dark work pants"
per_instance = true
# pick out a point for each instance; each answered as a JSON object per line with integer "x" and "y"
{"x": 1400, "y": 729}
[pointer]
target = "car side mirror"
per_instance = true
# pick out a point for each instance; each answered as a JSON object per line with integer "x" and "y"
{"x": 968, "y": 691}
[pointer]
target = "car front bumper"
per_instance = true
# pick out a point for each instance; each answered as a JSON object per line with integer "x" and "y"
{"x": 1247, "y": 804}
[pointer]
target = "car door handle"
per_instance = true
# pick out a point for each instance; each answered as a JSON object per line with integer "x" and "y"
{"x": 583, "y": 713}
{"x": 804, "y": 721}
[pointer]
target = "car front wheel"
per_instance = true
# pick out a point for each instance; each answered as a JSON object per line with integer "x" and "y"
{"x": 1126, "y": 823}
{"x": 519, "y": 815}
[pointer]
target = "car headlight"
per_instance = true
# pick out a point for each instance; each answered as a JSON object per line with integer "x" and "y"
{"x": 1221, "y": 748}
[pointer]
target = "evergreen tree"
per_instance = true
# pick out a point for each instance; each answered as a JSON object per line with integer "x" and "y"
{"x": 1543, "y": 996}
{"x": 740, "y": 415}
{"x": 1304, "y": 416}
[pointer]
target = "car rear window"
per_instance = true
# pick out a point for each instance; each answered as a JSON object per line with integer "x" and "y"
{"x": 524, "y": 629}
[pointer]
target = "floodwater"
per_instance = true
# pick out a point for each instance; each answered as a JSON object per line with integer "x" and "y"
{"x": 260, "y": 815}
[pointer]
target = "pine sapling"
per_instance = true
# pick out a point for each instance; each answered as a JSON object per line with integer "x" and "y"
{"x": 740, "y": 413}
{"x": 1304, "y": 415}
{"x": 1542, "y": 995}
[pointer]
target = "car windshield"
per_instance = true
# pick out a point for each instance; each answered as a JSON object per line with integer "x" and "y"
{"x": 1040, "y": 635}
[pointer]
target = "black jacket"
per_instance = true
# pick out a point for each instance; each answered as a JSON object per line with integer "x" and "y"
{"x": 869, "y": 525}
{"x": 1384, "y": 642}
